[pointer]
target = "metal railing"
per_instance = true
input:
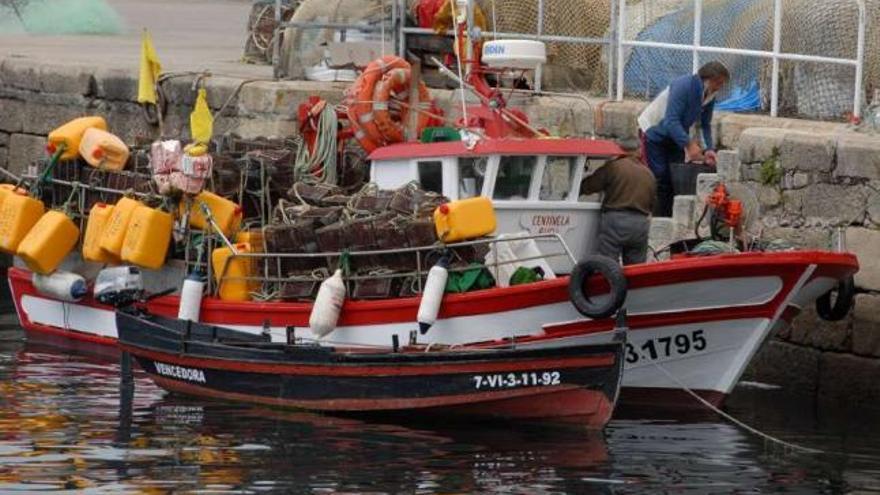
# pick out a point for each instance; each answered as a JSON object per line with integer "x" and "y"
{"x": 418, "y": 273}
{"x": 476, "y": 33}
{"x": 616, "y": 44}
{"x": 696, "y": 47}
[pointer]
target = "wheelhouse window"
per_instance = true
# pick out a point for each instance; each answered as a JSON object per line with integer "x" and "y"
{"x": 471, "y": 173}
{"x": 431, "y": 175}
{"x": 514, "y": 177}
{"x": 556, "y": 181}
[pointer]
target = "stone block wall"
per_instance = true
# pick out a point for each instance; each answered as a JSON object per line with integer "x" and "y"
{"x": 809, "y": 182}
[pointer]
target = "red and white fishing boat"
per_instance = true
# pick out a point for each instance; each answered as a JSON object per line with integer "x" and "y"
{"x": 696, "y": 321}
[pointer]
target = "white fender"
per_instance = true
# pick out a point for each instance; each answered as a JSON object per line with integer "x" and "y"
{"x": 191, "y": 297}
{"x": 432, "y": 296}
{"x": 64, "y": 286}
{"x": 328, "y": 305}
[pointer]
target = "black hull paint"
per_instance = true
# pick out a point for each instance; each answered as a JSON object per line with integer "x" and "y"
{"x": 197, "y": 359}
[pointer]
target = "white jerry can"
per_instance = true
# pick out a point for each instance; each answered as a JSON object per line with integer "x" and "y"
{"x": 328, "y": 305}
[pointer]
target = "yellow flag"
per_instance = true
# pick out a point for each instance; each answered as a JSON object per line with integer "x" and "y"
{"x": 150, "y": 69}
{"x": 201, "y": 122}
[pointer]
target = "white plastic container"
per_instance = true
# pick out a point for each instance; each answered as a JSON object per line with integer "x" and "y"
{"x": 191, "y": 297}
{"x": 432, "y": 296}
{"x": 508, "y": 251}
{"x": 64, "y": 286}
{"x": 328, "y": 305}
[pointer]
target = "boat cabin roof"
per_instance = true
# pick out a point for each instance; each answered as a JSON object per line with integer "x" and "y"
{"x": 505, "y": 146}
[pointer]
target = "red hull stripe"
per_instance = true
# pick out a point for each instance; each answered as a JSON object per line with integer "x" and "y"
{"x": 660, "y": 320}
{"x": 586, "y": 403}
{"x": 603, "y": 360}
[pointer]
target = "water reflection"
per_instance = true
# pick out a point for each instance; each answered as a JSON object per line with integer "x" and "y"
{"x": 65, "y": 424}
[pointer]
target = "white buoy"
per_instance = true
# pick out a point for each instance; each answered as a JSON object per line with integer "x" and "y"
{"x": 328, "y": 305}
{"x": 64, "y": 286}
{"x": 191, "y": 297}
{"x": 432, "y": 296}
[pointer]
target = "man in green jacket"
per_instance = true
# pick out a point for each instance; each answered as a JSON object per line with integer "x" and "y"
{"x": 628, "y": 195}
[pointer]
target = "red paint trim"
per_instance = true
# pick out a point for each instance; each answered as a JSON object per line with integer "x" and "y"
{"x": 72, "y": 340}
{"x": 71, "y": 335}
{"x": 570, "y": 400}
{"x": 656, "y": 320}
{"x": 511, "y": 365}
{"x": 505, "y": 146}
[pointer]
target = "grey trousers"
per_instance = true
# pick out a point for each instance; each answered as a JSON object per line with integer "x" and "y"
{"x": 624, "y": 234}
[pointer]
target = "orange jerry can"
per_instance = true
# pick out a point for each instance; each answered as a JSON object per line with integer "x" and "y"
{"x": 99, "y": 215}
{"x": 229, "y": 273}
{"x": 103, "y": 150}
{"x": 464, "y": 219}
{"x": 18, "y": 214}
{"x": 254, "y": 237}
{"x": 113, "y": 234}
{"x": 70, "y": 135}
{"x": 6, "y": 189}
{"x": 50, "y": 240}
{"x": 226, "y": 213}
{"x": 147, "y": 237}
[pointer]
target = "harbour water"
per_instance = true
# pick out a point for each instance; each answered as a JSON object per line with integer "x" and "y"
{"x": 65, "y": 427}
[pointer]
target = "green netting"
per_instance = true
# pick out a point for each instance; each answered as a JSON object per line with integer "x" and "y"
{"x": 59, "y": 17}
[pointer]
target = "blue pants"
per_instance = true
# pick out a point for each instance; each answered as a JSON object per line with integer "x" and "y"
{"x": 659, "y": 155}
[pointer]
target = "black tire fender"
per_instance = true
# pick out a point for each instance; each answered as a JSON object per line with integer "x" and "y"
{"x": 846, "y": 292}
{"x": 577, "y": 286}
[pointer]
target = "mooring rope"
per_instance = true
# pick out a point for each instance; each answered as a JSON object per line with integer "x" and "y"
{"x": 750, "y": 429}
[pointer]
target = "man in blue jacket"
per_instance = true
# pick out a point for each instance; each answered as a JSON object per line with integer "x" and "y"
{"x": 667, "y": 138}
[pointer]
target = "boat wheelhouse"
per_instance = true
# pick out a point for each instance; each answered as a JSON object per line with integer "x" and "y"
{"x": 534, "y": 183}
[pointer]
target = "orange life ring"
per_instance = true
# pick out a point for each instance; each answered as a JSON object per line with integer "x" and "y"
{"x": 360, "y": 100}
{"x": 396, "y": 82}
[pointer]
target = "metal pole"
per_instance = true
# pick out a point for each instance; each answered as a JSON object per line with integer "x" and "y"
{"x": 539, "y": 71}
{"x": 402, "y": 28}
{"x": 472, "y": 36}
{"x": 612, "y": 40}
{"x": 621, "y": 29}
{"x": 276, "y": 57}
{"x": 698, "y": 33}
{"x": 860, "y": 60}
{"x": 777, "y": 47}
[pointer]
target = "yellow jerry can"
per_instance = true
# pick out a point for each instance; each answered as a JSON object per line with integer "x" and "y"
{"x": 116, "y": 226}
{"x": 232, "y": 286}
{"x": 464, "y": 219}
{"x": 103, "y": 150}
{"x": 18, "y": 214}
{"x": 226, "y": 213}
{"x": 6, "y": 189}
{"x": 146, "y": 241}
{"x": 254, "y": 237}
{"x": 49, "y": 241}
{"x": 70, "y": 135}
{"x": 99, "y": 215}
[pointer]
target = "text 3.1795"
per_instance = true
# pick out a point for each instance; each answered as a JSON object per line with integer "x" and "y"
{"x": 664, "y": 347}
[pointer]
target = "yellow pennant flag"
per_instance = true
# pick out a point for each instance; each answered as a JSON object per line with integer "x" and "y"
{"x": 150, "y": 69}
{"x": 201, "y": 122}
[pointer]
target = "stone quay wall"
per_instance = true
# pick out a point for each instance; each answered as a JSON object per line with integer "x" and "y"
{"x": 810, "y": 184}
{"x": 809, "y": 176}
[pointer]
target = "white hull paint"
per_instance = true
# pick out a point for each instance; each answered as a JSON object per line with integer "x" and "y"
{"x": 713, "y": 365}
